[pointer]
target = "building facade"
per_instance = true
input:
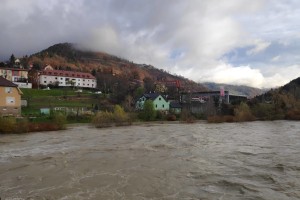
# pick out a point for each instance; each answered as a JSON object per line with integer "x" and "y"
{"x": 209, "y": 102}
{"x": 159, "y": 102}
{"x": 10, "y": 98}
{"x": 18, "y": 76}
{"x": 203, "y": 97}
{"x": 67, "y": 78}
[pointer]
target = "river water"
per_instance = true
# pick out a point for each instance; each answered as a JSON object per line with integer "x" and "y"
{"x": 256, "y": 160}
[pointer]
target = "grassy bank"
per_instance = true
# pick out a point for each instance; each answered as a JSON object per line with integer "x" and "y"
{"x": 53, "y": 92}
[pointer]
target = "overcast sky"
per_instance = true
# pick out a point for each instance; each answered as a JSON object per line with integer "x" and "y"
{"x": 255, "y": 43}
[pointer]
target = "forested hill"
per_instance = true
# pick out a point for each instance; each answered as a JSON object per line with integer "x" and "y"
{"x": 67, "y": 56}
{"x": 292, "y": 88}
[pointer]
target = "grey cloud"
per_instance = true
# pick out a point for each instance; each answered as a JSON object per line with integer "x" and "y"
{"x": 192, "y": 38}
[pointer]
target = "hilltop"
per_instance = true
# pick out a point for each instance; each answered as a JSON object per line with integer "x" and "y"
{"x": 292, "y": 88}
{"x": 67, "y": 56}
{"x": 280, "y": 103}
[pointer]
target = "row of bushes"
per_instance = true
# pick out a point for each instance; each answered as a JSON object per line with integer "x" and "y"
{"x": 56, "y": 121}
{"x": 260, "y": 111}
{"x": 105, "y": 118}
{"x": 119, "y": 117}
{"x": 293, "y": 114}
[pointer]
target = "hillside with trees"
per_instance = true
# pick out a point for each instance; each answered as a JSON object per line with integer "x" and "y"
{"x": 275, "y": 104}
{"x": 280, "y": 103}
{"x": 114, "y": 75}
{"x": 122, "y": 82}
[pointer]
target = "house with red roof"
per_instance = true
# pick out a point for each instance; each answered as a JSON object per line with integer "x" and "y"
{"x": 64, "y": 78}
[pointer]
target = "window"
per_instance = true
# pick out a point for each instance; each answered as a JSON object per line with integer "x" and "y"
{"x": 163, "y": 105}
{"x": 15, "y": 73}
{"x": 155, "y": 105}
{"x": 45, "y": 81}
{"x": 10, "y": 100}
{"x": 159, "y": 98}
{"x": 8, "y": 90}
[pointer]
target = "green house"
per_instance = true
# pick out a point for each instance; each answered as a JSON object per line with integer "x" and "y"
{"x": 159, "y": 102}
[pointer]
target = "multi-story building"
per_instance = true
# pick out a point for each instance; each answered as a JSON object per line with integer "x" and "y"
{"x": 67, "y": 78}
{"x": 10, "y": 98}
{"x": 18, "y": 76}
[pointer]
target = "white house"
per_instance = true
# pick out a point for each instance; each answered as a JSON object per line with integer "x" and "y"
{"x": 67, "y": 78}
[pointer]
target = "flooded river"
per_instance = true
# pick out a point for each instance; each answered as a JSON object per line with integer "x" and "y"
{"x": 257, "y": 160}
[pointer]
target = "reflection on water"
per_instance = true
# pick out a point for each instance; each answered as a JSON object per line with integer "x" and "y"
{"x": 258, "y": 160}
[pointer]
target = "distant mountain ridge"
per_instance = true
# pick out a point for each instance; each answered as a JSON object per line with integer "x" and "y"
{"x": 235, "y": 89}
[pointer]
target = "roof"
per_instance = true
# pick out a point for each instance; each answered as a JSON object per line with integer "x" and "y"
{"x": 175, "y": 104}
{"x": 6, "y": 83}
{"x": 14, "y": 69}
{"x": 67, "y": 74}
{"x": 151, "y": 96}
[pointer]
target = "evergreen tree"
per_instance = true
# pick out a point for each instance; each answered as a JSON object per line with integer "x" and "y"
{"x": 12, "y": 59}
{"x": 148, "y": 113}
{"x": 94, "y": 72}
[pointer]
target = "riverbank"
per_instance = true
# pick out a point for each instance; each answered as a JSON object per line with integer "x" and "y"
{"x": 9, "y": 125}
{"x": 59, "y": 122}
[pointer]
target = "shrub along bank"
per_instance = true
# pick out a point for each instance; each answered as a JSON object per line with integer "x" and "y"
{"x": 116, "y": 118}
{"x": 56, "y": 121}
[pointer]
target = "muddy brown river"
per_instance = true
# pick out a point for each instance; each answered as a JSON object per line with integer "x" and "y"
{"x": 256, "y": 160}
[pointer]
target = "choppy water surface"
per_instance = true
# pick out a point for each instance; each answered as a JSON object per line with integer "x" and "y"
{"x": 258, "y": 160}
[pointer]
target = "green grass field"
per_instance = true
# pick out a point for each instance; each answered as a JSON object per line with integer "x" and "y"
{"x": 64, "y": 97}
{"x": 53, "y": 92}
